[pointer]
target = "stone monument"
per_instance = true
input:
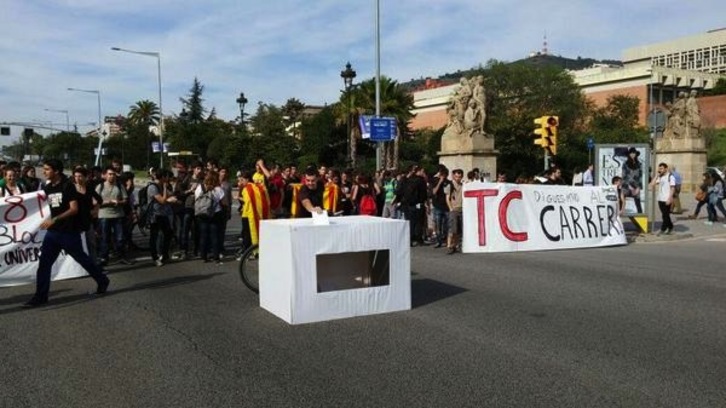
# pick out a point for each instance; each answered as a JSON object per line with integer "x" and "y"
{"x": 464, "y": 144}
{"x": 682, "y": 145}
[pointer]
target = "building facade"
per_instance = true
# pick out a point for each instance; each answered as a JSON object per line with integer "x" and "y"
{"x": 653, "y": 73}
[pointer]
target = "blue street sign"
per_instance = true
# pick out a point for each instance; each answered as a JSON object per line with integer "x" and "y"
{"x": 382, "y": 129}
{"x": 365, "y": 122}
{"x": 590, "y": 143}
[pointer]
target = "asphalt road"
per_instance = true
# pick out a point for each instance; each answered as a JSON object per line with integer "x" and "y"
{"x": 636, "y": 326}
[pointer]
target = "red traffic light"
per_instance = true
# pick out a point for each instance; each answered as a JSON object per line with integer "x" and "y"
{"x": 552, "y": 121}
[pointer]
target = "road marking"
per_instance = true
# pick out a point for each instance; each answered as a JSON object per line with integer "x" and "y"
{"x": 716, "y": 240}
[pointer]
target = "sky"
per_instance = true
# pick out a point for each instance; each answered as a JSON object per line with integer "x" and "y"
{"x": 279, "y": 49}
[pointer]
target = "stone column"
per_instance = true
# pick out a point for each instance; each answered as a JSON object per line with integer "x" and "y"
{"x": 687, "y": 155}
{"x": 459, "y": 151}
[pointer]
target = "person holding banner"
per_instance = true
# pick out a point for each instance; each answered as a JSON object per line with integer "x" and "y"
{"x": 455, "y": 200}
{"x": 62, "y": 233}
{"x": 11, "y": 187}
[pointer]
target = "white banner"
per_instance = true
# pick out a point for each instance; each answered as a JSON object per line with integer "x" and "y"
{"x": 522, "y": 217}
{"x": 21, "y": 239}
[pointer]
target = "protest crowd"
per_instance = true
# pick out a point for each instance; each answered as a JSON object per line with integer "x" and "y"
{"x": 184, "y": 213}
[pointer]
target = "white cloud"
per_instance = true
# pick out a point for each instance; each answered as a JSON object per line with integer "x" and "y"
{"x": 279, "y": 49}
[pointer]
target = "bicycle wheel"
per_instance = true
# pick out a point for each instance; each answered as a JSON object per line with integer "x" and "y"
{"x": 249, "y": 269}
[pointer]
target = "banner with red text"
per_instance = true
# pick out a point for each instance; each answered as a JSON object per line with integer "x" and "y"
{"x": 525, "y": 217}
{"x": 21, "y": 239}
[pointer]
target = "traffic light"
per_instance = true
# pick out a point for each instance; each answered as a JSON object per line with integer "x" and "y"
{"x": 547, "y": 133}
{"x": 28, "y": 132}
{"x": 543, "y": 141}
{"x": 553, "y": 122}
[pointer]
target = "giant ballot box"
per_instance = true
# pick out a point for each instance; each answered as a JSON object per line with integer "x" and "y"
{"x": 353, "y": 266}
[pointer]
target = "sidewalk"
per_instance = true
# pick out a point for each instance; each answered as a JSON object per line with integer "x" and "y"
{"x": 683, "y": 227}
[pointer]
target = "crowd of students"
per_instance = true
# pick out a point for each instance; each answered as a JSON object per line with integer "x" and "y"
{"x": 411, "y": 195}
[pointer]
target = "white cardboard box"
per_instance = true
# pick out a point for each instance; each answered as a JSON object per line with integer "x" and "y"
{"x": 299, "y": 286}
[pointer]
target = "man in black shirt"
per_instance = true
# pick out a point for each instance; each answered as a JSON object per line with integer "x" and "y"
{"x": 62, "y": 233}
{"x": 310, "y": 197}
{"x": 412, "y": 194}
{"x": 441, "y": 205}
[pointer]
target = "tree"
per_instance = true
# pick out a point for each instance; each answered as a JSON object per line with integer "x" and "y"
{"x": 193, "y": 103}
{"x": 322, "y": 141}
{"x": 269, "y": 140}
{"x": 143, "y": 113}
{"x": 395, "y": 101}
{"x": 292, "y": 112}
{"x": 617, "y": 121}
{"x": 192, "y": 131}
{"x": 70, "y": 147}
{"x": 718, "y": 89}
{"x": 141, "y": 116}
{"x": 517, "y": 94}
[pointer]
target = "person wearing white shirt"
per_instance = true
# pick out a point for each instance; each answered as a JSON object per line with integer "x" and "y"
{"x": 588, "y": 178}
{"x": 665, "y": 184}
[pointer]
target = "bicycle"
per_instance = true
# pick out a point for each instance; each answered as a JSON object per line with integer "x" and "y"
{"x": 249, "y": 268}
{"x": 249, "y": 265}
{"x": 138, "y": 237}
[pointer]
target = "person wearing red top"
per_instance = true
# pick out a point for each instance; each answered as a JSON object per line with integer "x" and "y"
{"x": 276, "y": 190}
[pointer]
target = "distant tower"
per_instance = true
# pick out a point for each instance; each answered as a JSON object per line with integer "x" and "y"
{"x": 544, "y": 44}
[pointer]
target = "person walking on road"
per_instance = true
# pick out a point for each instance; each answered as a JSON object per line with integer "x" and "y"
{"x": 665, "y": 185}
{"x": 62, "y": 234}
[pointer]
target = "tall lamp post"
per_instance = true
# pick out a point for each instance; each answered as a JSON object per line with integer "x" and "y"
{"x": 100, "y": 123}
{"x": 68, "y": 122}
{"x": 348, "y": 74}
{"x": 156, "y": 55}
{"x": 242, "y": 101}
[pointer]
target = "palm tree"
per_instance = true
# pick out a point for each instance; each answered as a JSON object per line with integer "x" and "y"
{"x": 396, "y": 101}
{"x": 141, "y": 116}
{"x": 144, "y": 112}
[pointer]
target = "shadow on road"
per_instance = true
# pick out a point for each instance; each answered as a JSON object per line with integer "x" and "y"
{"x": 58, "y": 303}
{"x": 426, "y": 291}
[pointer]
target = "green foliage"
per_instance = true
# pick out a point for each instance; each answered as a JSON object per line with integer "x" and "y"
{"x": 269, "y": 140}
{"x": 208, "y": 137}
{"x": 292, "y": 112}
{"x": 716, "y": 145}
{"x": 718, "y": 89}
{"x": 395, "y": 100}
{"x": 322, "y": 141}
{"x": 421, "y": 148}
{"x": 71, "y": 148}
{"x": 519, "y": 93}
{"x": 192, "y": 104}
{"x": 616, "y": 122}
{"x": 143, "y": 113}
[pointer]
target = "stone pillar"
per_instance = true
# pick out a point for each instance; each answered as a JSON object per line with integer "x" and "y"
{"x": 688, "y": 156}
{"x": 459, "y": 151}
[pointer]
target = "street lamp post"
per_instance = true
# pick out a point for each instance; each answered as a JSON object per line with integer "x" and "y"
{"x": 379, "y": 145}
{"x": 100, "y": 123}
{"x": 68, "y": 122}
{"x": 348, "y": 74}
{"x": 242, "y": 101}
{"x": 156, "y": 55}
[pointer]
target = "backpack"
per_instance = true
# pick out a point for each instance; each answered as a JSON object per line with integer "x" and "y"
{"x": 723, "y": 189}
{"x": 144, "y": 207}
{"x": 368, "y": 205}
{"x": 204, "y": 204}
